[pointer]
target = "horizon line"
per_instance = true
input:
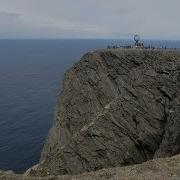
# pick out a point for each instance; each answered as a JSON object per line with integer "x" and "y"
{"x": 145, "y": 39}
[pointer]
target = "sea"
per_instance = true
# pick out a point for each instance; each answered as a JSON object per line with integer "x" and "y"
{"x": 31, "y": 74}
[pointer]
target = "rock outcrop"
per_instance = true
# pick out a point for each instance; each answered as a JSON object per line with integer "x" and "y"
{"x": 117, "y": 108}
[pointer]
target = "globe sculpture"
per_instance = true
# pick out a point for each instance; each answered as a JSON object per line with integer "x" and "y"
{"x": 136, "y": 39}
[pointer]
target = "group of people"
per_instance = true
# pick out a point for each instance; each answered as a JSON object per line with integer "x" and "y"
{"x": 137, "y": 45}
{"x": 116, "y": 47}
{"x": 126, "y": 46}
{"x": 140, "y": 45}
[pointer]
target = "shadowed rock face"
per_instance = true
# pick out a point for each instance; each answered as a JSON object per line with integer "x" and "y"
{"x": 117, "y": 108}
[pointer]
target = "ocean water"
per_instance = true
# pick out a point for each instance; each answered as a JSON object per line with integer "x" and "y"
{"x": 31, "y": 73}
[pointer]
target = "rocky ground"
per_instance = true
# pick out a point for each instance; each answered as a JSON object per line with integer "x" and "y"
{"x": 158, "y": 169}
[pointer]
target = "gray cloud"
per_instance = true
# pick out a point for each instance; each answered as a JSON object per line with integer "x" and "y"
{"x": 89, "y": 18}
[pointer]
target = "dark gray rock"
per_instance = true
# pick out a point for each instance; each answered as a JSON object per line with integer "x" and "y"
{"x": 117, "y": 107}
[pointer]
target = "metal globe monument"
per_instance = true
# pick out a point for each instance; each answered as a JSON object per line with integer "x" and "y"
{"x": 137, "y": 39}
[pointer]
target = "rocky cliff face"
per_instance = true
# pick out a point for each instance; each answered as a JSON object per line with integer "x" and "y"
{"x": 117, "y": 108}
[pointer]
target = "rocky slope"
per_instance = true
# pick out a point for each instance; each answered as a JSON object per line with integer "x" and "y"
{"x": 165, "y": 168}
{"x": 117, "y": 108}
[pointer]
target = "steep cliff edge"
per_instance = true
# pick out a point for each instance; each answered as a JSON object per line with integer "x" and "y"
{"x": 117, "y": 108}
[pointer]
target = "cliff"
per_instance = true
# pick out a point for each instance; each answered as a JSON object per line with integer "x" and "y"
{"x": 117, "y": 108}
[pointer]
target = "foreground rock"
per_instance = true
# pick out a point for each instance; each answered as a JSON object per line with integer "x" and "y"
{"x": 166, "y": 169}
{"x": 117, "y": 108}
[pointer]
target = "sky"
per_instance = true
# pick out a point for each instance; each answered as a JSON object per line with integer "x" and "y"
{"x": 152, "y": 19}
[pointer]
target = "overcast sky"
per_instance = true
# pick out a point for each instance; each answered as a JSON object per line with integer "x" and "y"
{"x": 89, "y": 18}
